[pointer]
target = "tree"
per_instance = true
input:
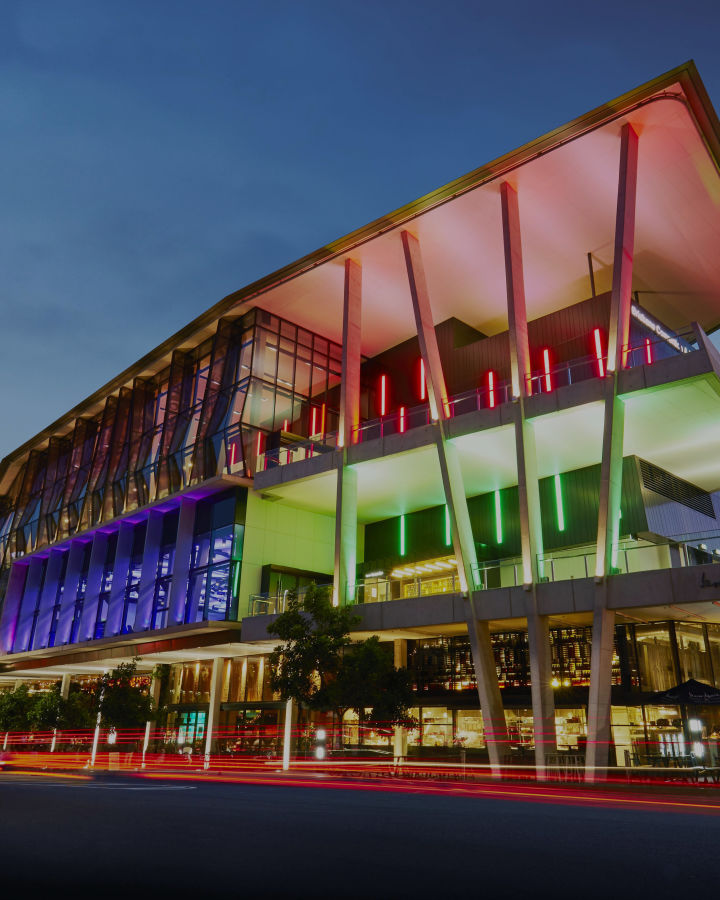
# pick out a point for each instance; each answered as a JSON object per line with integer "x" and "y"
{"x": 368, "y": 678}
{"x": 15, "y": 709}
{"x": 314, "y": 634}
{"x": 120, "y": 702}
{"x": 319, "y": 666}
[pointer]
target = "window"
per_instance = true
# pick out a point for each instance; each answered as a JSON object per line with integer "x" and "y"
{"x": 132, "y": 586}
{"x": 209, "y": 586}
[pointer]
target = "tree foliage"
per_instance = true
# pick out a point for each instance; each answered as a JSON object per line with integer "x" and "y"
{"x": 314, "y": 634}
{"x": 121, "y": 703}
{"x": 319, "y": 666}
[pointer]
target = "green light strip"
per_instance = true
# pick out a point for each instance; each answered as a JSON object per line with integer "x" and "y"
{"x": 498, "y": 518}
{"x": 448, "y": 531}
{"x": 402, "y": 535}
{"x": 559, "y": 504}
{"x": 236, "y": 578}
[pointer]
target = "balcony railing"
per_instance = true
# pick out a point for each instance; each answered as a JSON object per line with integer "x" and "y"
{"x": 632, "y": 557}
{"x": 284, "y": 456}
{"x": 274, "y": 604}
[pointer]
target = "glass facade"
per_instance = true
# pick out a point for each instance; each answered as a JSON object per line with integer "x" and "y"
{"x": 87, "y": 591}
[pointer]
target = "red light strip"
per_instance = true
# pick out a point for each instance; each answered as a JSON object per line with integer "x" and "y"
{"x": 648, "y": 351}
{"x": 423, "y": 391}
{"x": 402, "y": 420}
{"x": 599, "y": 353}
{"x": 491, "y": 389}
{"x": 233, "y": 453}
{"x": 383, "y": 395}
{"x": 546, "y": 366}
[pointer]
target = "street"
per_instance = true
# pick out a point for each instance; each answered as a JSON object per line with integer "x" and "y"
{"x": 139, "y": 837}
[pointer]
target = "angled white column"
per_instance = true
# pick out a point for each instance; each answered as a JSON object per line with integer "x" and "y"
{"x": 30, "y": 598}
{"x": 76, "y": 555}
{"x": 462, "y": 536}
{"x": 346, "y": 498}
{"x": 51, "y": 583}
{"x": 531, "y": 540}
{"x": 183, "y": 559}
{"x": 611, "y": 467}
{"x": 350, "y": 381}
{"x": 345, "y": 534}
{"x": 149, "y": 572}
{"x": 88, "y": 617}
{"x": 213, "y": 719}
{"x": 10, "y": 612}
{"x": 121, "y": 567}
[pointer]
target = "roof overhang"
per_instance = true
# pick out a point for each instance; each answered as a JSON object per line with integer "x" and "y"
{"x": 567, "y": 182}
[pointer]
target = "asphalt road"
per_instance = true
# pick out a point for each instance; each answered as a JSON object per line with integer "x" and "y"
{"x": 132, "y": 838}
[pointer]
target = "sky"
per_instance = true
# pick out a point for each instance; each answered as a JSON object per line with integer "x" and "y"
{"x": 156, "y": 156}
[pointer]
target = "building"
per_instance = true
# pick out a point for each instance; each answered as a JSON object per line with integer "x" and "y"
{"x": 487, "y": 419}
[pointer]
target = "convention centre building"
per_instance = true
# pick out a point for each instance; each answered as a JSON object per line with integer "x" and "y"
{"x": 489, "y": 420}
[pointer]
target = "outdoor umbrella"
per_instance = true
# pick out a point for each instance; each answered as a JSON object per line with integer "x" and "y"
{"x": 690, "y": 693}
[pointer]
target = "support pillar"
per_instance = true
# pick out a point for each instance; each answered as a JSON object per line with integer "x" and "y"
{"x": 155, "y": 695}
{"x": 149, "y": 571}
{"x": 216, "y": 683}
{"x": 611, "y": 467}
{"x": 345, "y": 568}
{"x": 288, "y": 738}
{"x": 182, "y": 563}
{"x": 121, "y": 568}
{"x": 76, "y": 556}
{"x": 48, "y": 596}
{"x": 65, "y": 686}
{"x": 11, "y": 607}
{"x": 400, "y": 733}
{"x": 531, "y": 539}
{"x": 92, "y": 589}
{"x": 345, "y": 534}
{"x": 33, "y": 584}
{"x": 462, "y": 536}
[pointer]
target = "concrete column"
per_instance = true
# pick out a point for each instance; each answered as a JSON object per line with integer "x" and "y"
{"x": 345, "y": 535}
{"x": 621, "y": 299}
{"x": 65, "y": 685}
{"x": 543, "y": 701}
{"x": 350, "y": 383}
{"x": 531, "y": 538}
{"x": 400, "y": 733}
{"x": 73, "y": 572}
{"x": 491, "y": 704}
{"x": 48, "y": 595}
{"x": 610, "y": 492}
{"x": 181, "y": 565}
{"x": 600, "y": 694}
{"x": 92, "y": 589}
{"x": 429, "y": 350}
{"x": 216, "y": 682}
{"x": 520, "y": 365}
{"x": 155, "y": 695}
{"x": 30, "y": 597}
{"x": 10, "y": 612}
{"x": 149, "y": 572}
{"x": 288, "y": 737}
{"x": 463, "y": 540}
{"x": 121, "y": 567}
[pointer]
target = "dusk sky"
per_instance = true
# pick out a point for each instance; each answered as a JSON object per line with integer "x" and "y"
{"x": 158, "y": 155}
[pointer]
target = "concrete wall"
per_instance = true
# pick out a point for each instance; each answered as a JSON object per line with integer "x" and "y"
{"x": 284, "y": 536}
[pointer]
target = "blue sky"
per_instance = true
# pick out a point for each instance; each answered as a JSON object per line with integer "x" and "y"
{"x": 158, "y": 155}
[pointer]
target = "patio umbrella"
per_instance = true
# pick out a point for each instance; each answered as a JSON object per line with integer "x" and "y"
{"x": 690, "y": 693}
